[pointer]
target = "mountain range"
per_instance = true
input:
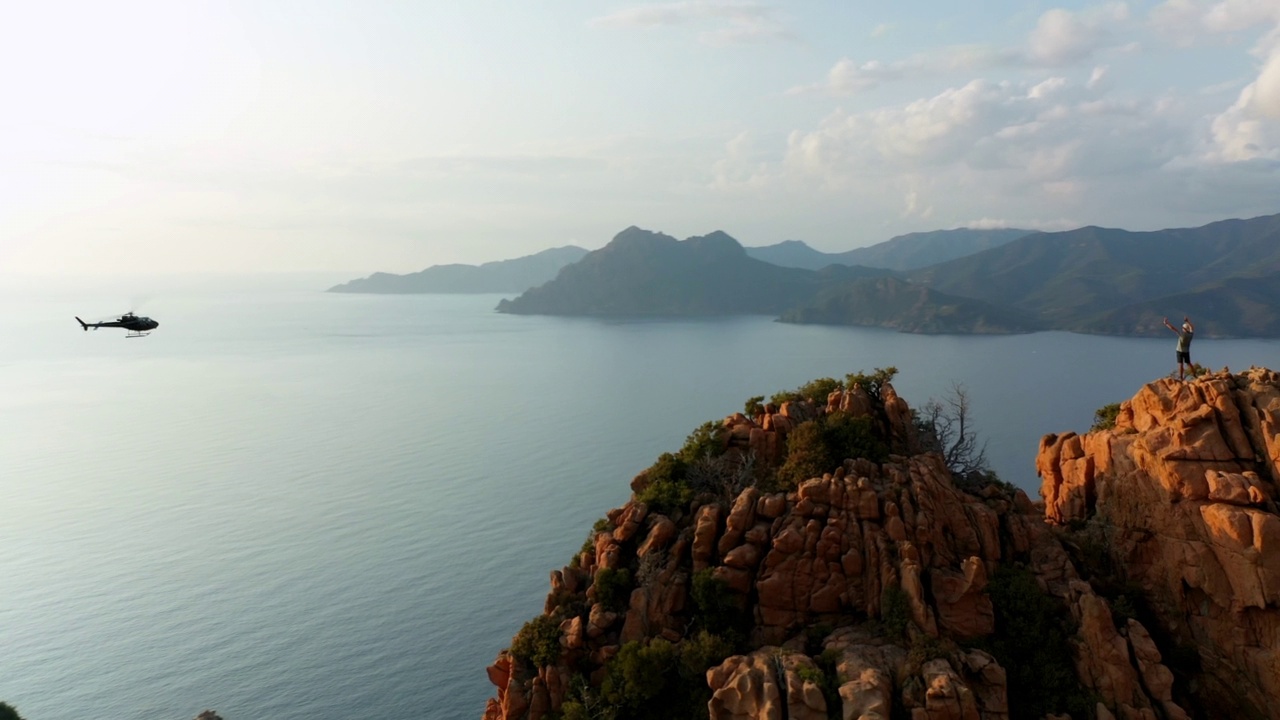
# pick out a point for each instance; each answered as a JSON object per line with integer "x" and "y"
{"x": 1225, "y": 275}
{"x": 904, "y": 252}
{"x": 502, "y": 276}
{"x": 1101, "y": 280}
{"x": 648, "y": 274}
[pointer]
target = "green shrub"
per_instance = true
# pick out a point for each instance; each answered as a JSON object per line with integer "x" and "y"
{"x": 613, "y": 588}
{"x": 829, "y": 662}
{"x": 640, "y": 678}
{"x": 852, "y": 437}
{"x": 895, "y": 612}
{"x": 783, "y": 396}
{"x": 816, "y": 391}
{"x": 573, "y": 710}
{"x": 1032, "y": 643}
{"x": 819, "y": 446}
{"x": 665, "y": 496}
{"x": 807, "y": 455}
{"x": 7, "y": 712}
{"x": 708, "y": 440}
{"x": 538, "y": 642}
{"x": 1104, "y": 418}
{"x": 701, "y": 652}
{"x": 754, "y": 407}
{"x": 872, "y": 382}
{"x": 666, "y": 489}
{"x": 814, "y": 635}
{"x": 923, "y": 649}
{"x": 810, "y": 674}
{"x": 715, "y": 607}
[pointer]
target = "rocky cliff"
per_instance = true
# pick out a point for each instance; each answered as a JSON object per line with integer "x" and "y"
{"x": 742, "y": 582}
{"x": 1174, "y": 507}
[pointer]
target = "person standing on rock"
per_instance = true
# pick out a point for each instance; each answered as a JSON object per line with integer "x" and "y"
{"x": 1184, "y": 344}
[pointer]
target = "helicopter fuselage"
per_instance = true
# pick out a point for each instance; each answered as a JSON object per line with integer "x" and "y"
{"x": 135, "y": 324}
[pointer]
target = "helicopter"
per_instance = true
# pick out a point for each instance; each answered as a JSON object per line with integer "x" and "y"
{"x": 137, "y": 326}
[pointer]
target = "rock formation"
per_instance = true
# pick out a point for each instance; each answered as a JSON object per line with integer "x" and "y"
{"x": 1176, "y": 504}
{"x": 1145, "y": 587}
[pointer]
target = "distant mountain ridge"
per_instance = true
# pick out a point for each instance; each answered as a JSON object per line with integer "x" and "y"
{"x": 1224, "y": 275}
{"x": 891, "y": 302}
{"x": 502, "y": 276}
{"x": 904, "y": 252}
{"x": 1104, "y": 280}
{"x": 648, "y": 274}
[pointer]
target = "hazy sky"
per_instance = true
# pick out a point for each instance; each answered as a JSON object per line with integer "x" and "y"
{"x": 376, "y": 135}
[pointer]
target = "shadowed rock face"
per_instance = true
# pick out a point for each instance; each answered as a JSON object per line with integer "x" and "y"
{"x": 1180, "y": 495}
{"x": 883, "y": 574}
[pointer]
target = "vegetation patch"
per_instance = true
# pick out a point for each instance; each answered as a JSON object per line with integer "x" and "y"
{"x": 895, "y": 612}
{"x": 829, "y": 662}
{"x": 701, "y": 652}
{"x": 538, "y": 642}
{"x": 1104, "y": 418}
{"x": 819, "y": 446}
{"x": 1032, "y": 644}
{"x": 643, "y": 683}
{"x": 613, "y": 588}
{"x": 716, "y": 608}
{"x": 872, "y": 382}
{"x": 666, "y": 490}
{"x": 707, "y": 441}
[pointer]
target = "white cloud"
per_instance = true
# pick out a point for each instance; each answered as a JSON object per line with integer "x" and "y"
{"x": 1060, "y": 38}
{"x": 848, "y": 78}
{"x": 1250, "y": 128}
{"x": 912, "y": 208}
{"x": 1097, "y": 77}
{"x": 1054, "y": 149}
{"x": 1186, "y": 21}
{"x": 881, "y": 30}
{"x": 746, "y": 21}
{"x": 989, "y": 223}
{"x": 741, "y": 167}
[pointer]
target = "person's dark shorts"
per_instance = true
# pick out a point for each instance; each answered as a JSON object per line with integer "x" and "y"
{"x": 1184, "y": 357}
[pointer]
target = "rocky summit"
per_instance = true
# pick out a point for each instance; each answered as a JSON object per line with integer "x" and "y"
{"x": 741, "y": 581}
{"x": 1177, "y": 502}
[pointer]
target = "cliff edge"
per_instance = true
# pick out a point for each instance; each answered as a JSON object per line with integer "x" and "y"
{"x": 816, "y": 557}
{"x": 1175, "y": 507}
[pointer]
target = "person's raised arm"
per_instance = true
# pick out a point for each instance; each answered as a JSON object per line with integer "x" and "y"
{"x": 1166, "y": 324}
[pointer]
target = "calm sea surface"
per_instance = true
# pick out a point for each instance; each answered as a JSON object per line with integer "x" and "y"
{"x": 288, "y": 504}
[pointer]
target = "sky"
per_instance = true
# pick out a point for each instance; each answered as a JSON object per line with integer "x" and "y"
{"x": 373, "y": 135}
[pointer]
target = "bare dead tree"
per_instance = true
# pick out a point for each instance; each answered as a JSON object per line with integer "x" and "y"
{"x": 945, "y": 427}
{"x": 726, "y": 474}
{"x": 592, "y": 706}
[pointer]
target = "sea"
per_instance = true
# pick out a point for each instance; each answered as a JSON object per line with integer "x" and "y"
{"x": 287, "y": 504}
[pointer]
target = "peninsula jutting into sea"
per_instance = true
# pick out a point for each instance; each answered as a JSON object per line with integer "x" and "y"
{"x": 1089, "y": 280}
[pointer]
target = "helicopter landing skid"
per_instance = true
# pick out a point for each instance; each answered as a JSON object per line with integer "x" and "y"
{"x": 136, "y": 335}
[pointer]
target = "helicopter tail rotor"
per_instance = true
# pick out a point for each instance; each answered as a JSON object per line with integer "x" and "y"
{"x": 83, "y": 324}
